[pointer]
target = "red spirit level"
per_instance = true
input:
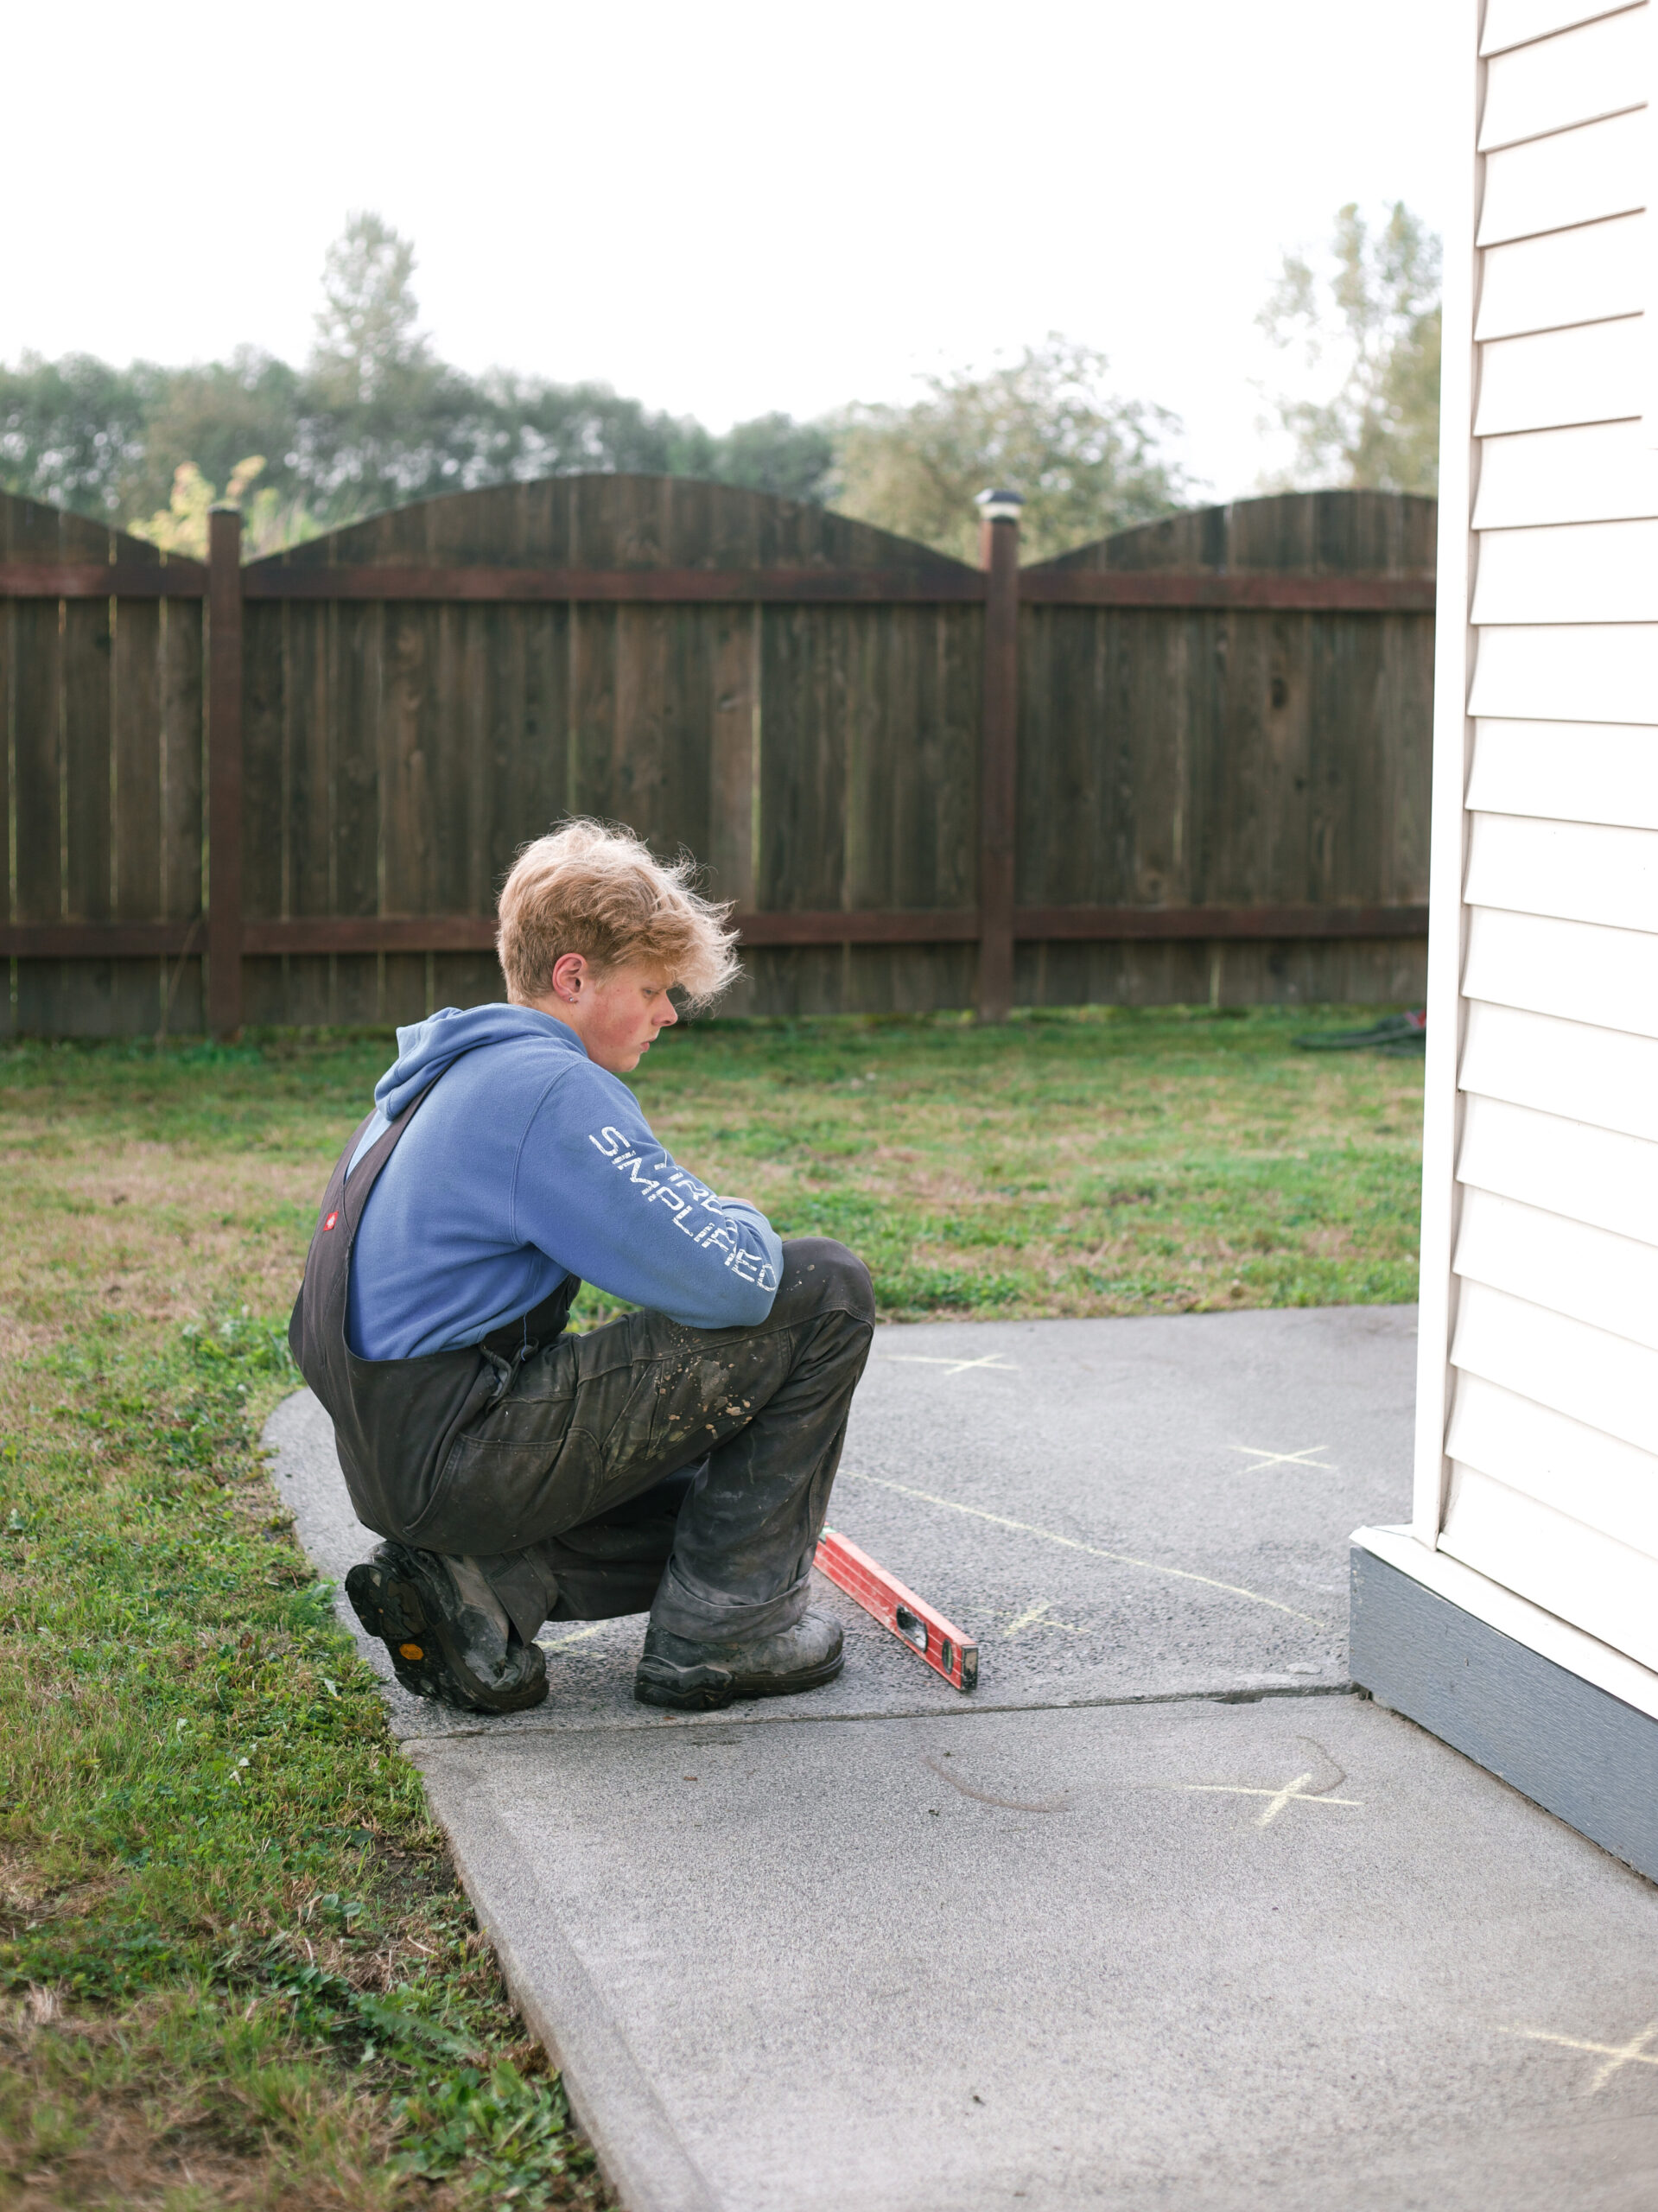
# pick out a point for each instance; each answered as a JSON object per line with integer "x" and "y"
{"x": 940, "y": 1643}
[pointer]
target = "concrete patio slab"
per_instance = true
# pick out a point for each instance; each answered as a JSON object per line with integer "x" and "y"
{"x": 1115, "y": 1510}
{"x": 1163, "y": 1916}
{"x": 1055, "y": 1958}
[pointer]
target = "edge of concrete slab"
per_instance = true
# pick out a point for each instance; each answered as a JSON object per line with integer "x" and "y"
{"x": 1572, "y": 1748}
{"x": 640, "y": 2154}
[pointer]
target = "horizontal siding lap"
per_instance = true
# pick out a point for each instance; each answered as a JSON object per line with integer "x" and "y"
{"x": 1570, "y": 871}
{"x": 1579, "y": 75}
{"x": 1566, "y": 771}
{"x": 1569, "y": 572}
{"x": 1569, "y": 672}
{"x": 1603, "y": 1077}
{"x": 1513, "y": 22}
{"x": 1585, "y": 274}
{"x": 1599, "y": 1177}
{"x": 1577, "y": 1573}
{"x": 1582, "y": 472}
{"x": 1592, "y": 373}
{"x": 1591, "y": 1274}
{"x": 1576, "y": 176}
{"x": 1576, "y": 969}
{"x": 1598, "y": 1479}
{"x": 1557, "y": 1460}
{"x": 1607, "y": 1382}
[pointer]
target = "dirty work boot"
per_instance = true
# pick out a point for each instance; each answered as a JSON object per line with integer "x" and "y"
{"x": 675, "y": 1671}
{"x": 441, "y": 1646}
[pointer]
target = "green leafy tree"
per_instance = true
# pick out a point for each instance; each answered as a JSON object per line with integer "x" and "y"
{"x": 1085, "y": 462}
{"x": 73, "y": 432}
{"x": 1373, "y": 312}
{"x": 374, "y": 419}
{"x": 775, "y": 454}
{"x": 211, "y": 416}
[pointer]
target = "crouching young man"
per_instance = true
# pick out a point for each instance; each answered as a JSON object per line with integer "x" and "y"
{"x": 676, "y": 1461}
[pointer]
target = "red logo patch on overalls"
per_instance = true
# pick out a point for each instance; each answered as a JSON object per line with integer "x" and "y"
{"x": 331, "y": 1220}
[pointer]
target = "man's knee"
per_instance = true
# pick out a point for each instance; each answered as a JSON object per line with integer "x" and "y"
{"x": 819, "y": 1273}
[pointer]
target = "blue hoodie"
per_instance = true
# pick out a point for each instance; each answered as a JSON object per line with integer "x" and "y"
{"x": 527, "y": 1163}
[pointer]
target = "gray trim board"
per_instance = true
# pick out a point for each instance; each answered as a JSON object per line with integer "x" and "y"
{"x": 1580, "y": 1753}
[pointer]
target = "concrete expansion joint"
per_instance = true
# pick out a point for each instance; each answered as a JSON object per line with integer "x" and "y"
{"x": 727, "y": 1718}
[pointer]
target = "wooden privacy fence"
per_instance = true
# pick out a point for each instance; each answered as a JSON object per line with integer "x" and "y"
{"x": 1187, "y": 763}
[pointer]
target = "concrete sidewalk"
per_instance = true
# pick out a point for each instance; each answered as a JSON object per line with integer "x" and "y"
{"x": 1159, "y": 1917}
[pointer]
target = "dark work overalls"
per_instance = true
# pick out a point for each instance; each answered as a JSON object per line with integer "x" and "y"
{"x": 643, "y": 1465}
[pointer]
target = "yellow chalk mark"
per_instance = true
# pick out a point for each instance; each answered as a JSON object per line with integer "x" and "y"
{"x": 1093, "y": 1551}
{"x": 1301, "y": 1458}
{"x": 558, "y": 1642}
{"x": 1616, "y": 2055}
{"x": 1035, "y": 1617}
{"x": 992, "y": 1360}
{"x": 1293, "y": 1793}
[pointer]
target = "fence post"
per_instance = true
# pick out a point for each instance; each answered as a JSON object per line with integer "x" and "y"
{"x": 999, "y": 752}
{"x": 223, "y": 770}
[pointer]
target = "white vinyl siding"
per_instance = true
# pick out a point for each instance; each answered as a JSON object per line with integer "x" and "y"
{"x": 1578, "y": 176}
{"x": 1572, "y": 1168}
{"x": 1562, "y": 277}
{"x": 1603, "y": 1077}
{"x": 1578, "y": 76}
{"x": 1572, "y": 871}
{"x": 1569, "y": 572}
{"x": 1547, "y": 1466}
{"x": 1592, "y": 373}
{"x": 1517, "y": 22}
{"x": 1596, "y": 472}
{"x": 1573, "y": 772}
{"x": 1570, "y": 674}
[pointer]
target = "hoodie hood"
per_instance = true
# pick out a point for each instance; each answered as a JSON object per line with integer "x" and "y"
{"x": 426, "y": 1048}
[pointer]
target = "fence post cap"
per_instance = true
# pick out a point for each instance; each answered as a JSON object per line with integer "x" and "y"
{"x": 999, "y": 506}
{"x": 225, "y": 507}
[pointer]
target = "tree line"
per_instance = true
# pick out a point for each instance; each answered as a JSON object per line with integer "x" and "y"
{"x": 375, "y": 419}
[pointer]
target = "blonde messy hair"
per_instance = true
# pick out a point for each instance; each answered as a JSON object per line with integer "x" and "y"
{"x": 597, "y": 889}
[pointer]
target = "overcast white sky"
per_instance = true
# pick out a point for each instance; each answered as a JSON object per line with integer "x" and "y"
{"x": 721, "y": 208}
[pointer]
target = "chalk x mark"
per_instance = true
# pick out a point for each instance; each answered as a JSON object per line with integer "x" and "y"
{"x": 1093, "y": 1551}
{"x": 983, "y": 1797}
{"x": 1302, "y": 1458}
{"x": 1617, "y": 2055}
{"x": 992, "y": 1360}
{"x": 1293, "y": 1793}
{"x": 1036, "y": 1616}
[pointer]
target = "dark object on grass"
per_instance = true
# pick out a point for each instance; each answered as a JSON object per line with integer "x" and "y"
{"x": 1396, "y": 1034}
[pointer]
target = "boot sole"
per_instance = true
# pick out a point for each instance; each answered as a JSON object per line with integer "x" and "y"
{"x": 684, "y": 1693}
{"x": 420, "y": 1647}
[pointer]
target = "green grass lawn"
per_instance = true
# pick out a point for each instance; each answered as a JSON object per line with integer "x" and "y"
{"x": 239, "y": 1968}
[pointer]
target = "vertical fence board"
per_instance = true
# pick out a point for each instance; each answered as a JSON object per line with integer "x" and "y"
{"x": 304, "y": 636}
{"x": 355, "y": 700}
{"x": 37, "y": 752}
{"x": 267, "y": 797}
{"x": 409, "y": 869}
{"x": 183, "y": 751}
{"x": 136, "y": 986}
{"x": 87, "y": 649}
